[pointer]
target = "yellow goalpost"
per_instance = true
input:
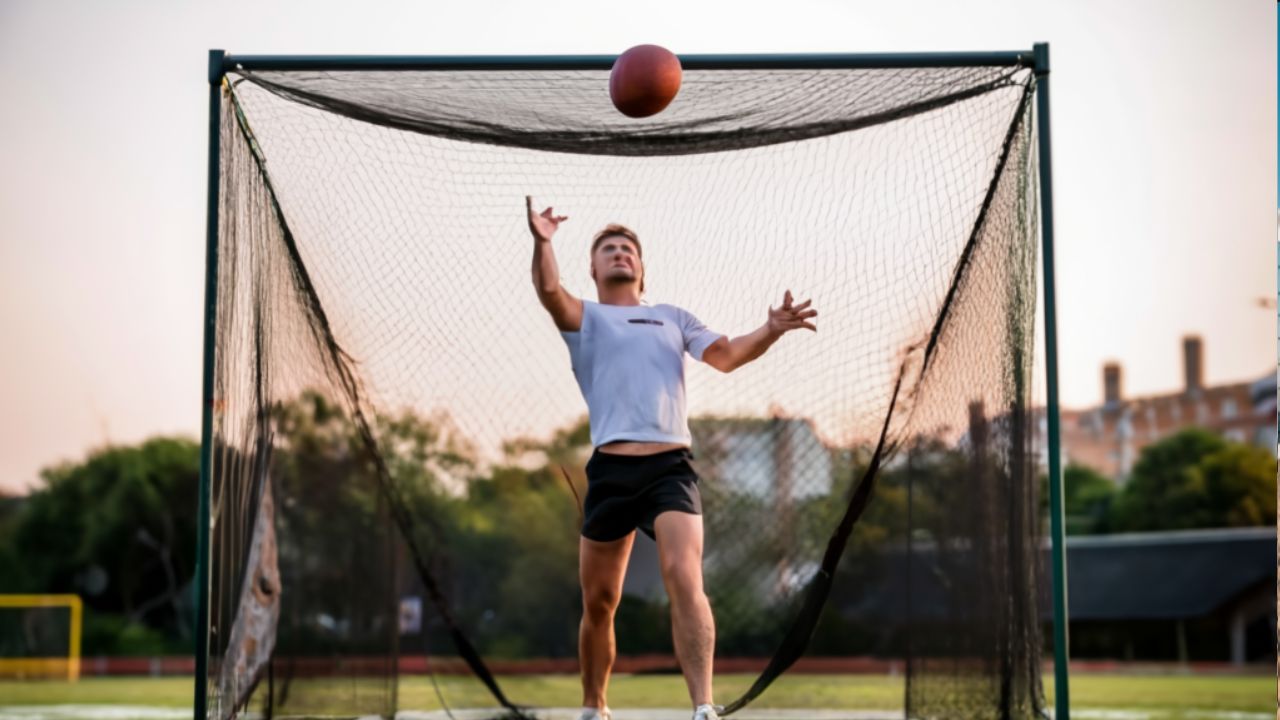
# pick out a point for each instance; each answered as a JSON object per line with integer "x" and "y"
{"x": 61, "y": 665}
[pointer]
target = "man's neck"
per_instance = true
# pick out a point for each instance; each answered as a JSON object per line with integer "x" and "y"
{"x": 624, "y": 295}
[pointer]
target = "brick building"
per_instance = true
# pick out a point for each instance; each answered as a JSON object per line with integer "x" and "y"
{"x": 1110, "y": 437}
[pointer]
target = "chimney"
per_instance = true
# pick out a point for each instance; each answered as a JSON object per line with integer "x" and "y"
{"x": 1112, "y": 388}
{"x": 1193, "y": 364}
{"x": 979, "y": 428}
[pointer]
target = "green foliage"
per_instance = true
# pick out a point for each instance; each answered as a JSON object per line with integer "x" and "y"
{"x": 1240, "y": 481}
{"x": 1087, "y": 499}
{"x": 501, "y": 544}
{"x": 110, "y": 634}
{"x": 13, "y": 571}
{"x": 643, "y": 626}
{"x": 337, "y": 538}
{"x": 117, "y": 529}
{"x": 1196, "y": 479}
{"x": 524, "y": 524}
{"x": 1088, "y": 496}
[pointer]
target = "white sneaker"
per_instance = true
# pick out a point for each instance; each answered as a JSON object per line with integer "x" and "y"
{"x": 590, "y": 713}
{"x": 707, "y": 712}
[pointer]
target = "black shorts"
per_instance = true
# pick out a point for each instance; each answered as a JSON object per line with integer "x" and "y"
{"x": 625, "y": 492}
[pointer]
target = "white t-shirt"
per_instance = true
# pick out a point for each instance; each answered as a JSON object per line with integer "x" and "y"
{"x": 629, "y": 363}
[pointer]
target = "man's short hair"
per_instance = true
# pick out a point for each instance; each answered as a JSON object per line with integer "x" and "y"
{"x": 614, "y": 229}
{"x": 617, "y": 230}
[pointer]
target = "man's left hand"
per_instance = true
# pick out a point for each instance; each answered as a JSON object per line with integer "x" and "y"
{"x": 791, "y": 317}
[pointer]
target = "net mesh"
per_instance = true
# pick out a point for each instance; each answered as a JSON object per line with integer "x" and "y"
{"x": 399, "y": 440}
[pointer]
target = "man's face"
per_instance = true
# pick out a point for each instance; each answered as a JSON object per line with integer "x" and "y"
{"x": 616, "y": 260}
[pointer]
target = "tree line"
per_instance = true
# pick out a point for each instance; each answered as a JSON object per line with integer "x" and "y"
{"x": 118, "y": 528}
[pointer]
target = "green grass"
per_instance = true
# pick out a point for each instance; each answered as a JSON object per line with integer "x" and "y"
{"x": 1163, "y": 697}
{"x": 1171, "y": 692}
{"x": 867, "y": 692}
{"x": 155, "y": 692}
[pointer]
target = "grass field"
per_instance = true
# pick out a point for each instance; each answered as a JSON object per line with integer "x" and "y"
{"x": 1104, "y": 697}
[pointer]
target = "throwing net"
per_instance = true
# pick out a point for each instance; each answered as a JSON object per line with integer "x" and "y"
{"x": 399, "y": 440}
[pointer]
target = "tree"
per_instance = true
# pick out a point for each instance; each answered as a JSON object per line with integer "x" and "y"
{"x": 1087, "y": 498}
{"x": 1240, "y": 485}
{"x": 12, "y": 568}
{"x": 1196, "y": 479}
{"x": 1088, "y": 495}
{"x": 118, "y": 529}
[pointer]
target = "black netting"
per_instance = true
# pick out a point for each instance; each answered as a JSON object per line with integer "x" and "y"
{"x": 399, "y": 438}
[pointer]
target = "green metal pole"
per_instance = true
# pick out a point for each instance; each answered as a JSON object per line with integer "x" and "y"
{"x": 1007, "y": 58}
{"x": 206, "y": 410}
{"x": 1058, "y": 548}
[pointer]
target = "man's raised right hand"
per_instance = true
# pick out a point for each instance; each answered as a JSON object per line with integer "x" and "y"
{"x": 543, "y": 225}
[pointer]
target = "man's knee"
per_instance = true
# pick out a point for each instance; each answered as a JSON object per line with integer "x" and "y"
{"x": 600, "y": 603}
{"x": 683, "y": 579}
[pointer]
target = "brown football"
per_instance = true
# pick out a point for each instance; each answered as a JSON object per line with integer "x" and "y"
{"x": 644, "y": 80}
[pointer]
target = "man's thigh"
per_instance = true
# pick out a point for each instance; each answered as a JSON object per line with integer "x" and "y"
{"x": 679, "y": 544}
{"x": 603, "y": 565}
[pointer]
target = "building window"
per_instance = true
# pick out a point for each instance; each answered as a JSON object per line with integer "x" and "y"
{"x": 1228, "y": 409}
{"x": 1264, "y": 436}
{"x": 1234, "y": 435}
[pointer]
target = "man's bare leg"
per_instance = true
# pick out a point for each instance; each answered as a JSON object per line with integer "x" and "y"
{"x": 692, "y": 624}
{"x": 601, "y": 569}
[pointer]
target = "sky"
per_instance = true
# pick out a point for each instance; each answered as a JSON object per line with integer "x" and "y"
{"x": 1165, "y": 182}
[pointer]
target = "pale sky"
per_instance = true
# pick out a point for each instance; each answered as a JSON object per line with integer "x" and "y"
{"x": 1164, "y": 130}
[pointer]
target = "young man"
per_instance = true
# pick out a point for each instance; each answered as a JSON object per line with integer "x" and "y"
{"x": 628, "y": 358}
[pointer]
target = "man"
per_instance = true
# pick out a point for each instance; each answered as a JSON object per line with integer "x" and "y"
{"x": 628, "y": 358}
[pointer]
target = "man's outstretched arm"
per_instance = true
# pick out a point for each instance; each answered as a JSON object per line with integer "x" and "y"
{"x": 565, "y": 309}
{"x": 728, "y": 355}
